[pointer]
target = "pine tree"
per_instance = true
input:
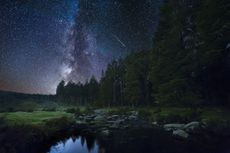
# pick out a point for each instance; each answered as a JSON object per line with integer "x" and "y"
{"x": 60, "y": 88}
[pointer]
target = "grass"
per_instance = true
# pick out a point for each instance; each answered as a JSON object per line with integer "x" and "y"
{"x": 169, "y": 114}
{"x": 220, "y": 115}
{"x": 21, "y": 130}
{"x": 34, "y": 118}
{"x": 159, "y": 114}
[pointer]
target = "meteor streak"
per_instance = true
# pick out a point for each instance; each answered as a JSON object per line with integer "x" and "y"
{"x": 123, "y": 44}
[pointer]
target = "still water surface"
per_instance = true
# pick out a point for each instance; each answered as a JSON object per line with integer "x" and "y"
{"x": 139, "y": 141}
{"x": 74, "y": 145}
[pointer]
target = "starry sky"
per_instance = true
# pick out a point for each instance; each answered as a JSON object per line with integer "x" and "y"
{"x": 45, "y": 41}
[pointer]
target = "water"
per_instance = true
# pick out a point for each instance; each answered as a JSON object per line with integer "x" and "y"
{"x": 137, "y": 141}
{"x": 75, "y": 145}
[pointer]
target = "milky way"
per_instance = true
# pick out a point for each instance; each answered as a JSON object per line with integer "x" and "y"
{"x": 46, "y": 41}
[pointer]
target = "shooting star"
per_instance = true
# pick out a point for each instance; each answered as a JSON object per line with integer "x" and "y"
{"x": 123, "y": 44}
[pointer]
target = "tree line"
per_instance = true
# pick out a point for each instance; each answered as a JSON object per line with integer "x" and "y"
{"x": 188, "y": 65}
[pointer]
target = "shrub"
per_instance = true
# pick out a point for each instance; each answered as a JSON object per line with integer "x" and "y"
{"x": 75, "y": 111}
{"x": 89, "y": 110}
{"x": 49, "y": 109}
{"x": 27, "y": 106}
{"x": 145, "y": 113}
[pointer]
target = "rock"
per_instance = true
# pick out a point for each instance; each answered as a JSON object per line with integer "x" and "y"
{"x": 204, "y": 123}
{"x": 89, "y": 118}
{"x": 80, "y": 122}
{"x": 228, "y": 46}
{"x": 180, "y": 133}
{"x": 99, "y": 118}
{"x": 113, "y": 117}
{"x": 105, "y": 132}
{"x": 154, "y": 123}
{"x": 81, "y": 117}
{"x": 134, "y": 113}
{"x": 169, "y": 127}
{"x": 114, "y": 126}
{"x": 116, "y": 123}
{"x": 99, "y": 112}
{"x": 187, "y": 38}
{"x": 191, "y": 126}
{"x": 132, "y": 117}
{"x": 120, "y": 121}
{"x": 124, "y": 127}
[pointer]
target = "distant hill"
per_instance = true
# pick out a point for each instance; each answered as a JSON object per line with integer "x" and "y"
{"x": 14, "y": 101}
{"x": 9, "y": 96}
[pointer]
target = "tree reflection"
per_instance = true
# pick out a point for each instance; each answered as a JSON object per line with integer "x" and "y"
{"x": 90, "y": 142}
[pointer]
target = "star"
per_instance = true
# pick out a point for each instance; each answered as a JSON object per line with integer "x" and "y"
{"x": 43, "y": 42}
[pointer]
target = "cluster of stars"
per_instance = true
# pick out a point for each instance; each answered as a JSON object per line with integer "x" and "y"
{"x": 45, "y": 41}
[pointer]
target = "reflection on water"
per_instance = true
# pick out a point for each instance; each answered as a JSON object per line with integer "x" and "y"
{"x": 137, "y": 141}
{"x": 76, "y": 145}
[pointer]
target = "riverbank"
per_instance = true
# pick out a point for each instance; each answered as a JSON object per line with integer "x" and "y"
{"x": 183, "y": 125}
{"x": 22, "y": 132}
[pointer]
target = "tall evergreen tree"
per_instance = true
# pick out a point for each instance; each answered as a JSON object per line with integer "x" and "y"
{"x": 60, "y": 88}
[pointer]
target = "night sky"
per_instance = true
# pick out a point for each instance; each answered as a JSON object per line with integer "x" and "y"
{"x": 45, "y": 41}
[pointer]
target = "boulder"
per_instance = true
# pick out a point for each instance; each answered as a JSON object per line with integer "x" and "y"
{"x": 99, "y": 118}
{"x": 99, "y": 112}
{"x": 180, "y": 133}
{"x": 132, "y": 117}
{"x": 154, "y": 123}
{"x": 113, "y": 117}
{"x": 191, "y": 126}
{"x": 169, "y": 127}
{"x": 81, "y": 117}
{"x": 120, "y": 121}
{"x": 80, "y": 122}
{"x": 88, "y": 119}
{"x": 134, "y": 113}
{"x": 204, "y": 123}
{"x": 105, "y": 132}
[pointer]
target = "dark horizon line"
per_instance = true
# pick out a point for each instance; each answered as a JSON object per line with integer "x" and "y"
{"x": 24, "y": 93}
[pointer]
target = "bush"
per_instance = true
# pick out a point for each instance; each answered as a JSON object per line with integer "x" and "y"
{"x": 145, "y": 113}
{"x": 75, "y": 111}
{"x": 89, "y": 110}
{"x": 27, "y": 106}
{"x": 70, "y": 110}
{"x": 49, "y": 109}
{"x": 178, "y": 116}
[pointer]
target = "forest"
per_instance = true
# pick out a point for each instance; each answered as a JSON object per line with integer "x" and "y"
{"x": 189, "y": 64}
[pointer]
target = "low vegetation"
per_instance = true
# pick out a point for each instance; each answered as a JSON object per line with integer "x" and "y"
{"x": 28, "y": 131}
{"x": 212, "y": 115}
{"x": 34, "y": 118}
{"x": 182, "y": 114}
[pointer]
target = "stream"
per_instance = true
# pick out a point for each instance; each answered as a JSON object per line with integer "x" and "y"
{"x": 135, "y": 141}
